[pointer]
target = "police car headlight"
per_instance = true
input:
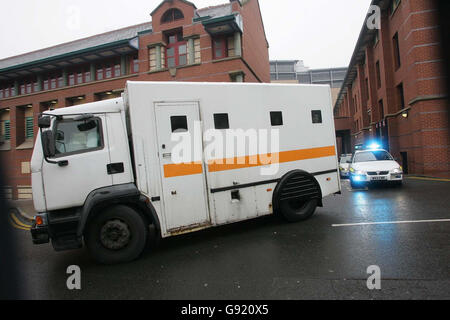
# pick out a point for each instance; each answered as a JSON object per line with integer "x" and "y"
{"x": 352, "y": 170}
{"x": 360, "y": 172}
{"x": 397, "y": 170}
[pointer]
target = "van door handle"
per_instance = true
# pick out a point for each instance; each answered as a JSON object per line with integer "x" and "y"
{"x": 115, "y": 168}
{"x": 63, "y": 163}
{"x": 167, "y": 155}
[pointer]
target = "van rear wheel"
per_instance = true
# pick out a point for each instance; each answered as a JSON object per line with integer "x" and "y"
{"x": 298, "y": 210}
{"x": 297, "y": 196}
{"x": 117, "y": 234}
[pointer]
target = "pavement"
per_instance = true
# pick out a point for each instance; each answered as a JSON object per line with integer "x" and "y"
{"x": 24, "y": 207}
{"x": 405, "y": 231}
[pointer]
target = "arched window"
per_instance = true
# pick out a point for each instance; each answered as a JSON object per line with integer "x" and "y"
{"x": 172, "y": 15}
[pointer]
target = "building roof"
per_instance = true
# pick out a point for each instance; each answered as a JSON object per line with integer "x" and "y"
{"x": 74, "y": 46}
{"x": 215, "y": 11}
{"x": 162, "y": 2}
{"x": 365, "y": 37}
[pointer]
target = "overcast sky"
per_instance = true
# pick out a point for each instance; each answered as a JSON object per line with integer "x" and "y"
{"x": 322, "y": 33}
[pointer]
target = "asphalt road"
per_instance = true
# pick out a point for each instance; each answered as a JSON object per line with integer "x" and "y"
{"x": 270, "y": 259}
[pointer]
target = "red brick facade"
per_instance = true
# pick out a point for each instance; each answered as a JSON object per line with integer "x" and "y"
{"x": 251, "y": 64}
{"x": 416, "y": 131}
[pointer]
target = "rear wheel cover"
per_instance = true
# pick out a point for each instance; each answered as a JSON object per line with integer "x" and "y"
{"x": 297, "y": 196}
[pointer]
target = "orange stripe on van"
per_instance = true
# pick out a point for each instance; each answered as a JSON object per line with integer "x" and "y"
{"x": 261, "y": 160}
{"x": 186, "y": 169}
{"x": 182, "y": 169}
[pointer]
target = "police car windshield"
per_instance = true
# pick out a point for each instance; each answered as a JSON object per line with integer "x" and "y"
{"x": 344, "y": 159}
{"x": 376, "y": 155}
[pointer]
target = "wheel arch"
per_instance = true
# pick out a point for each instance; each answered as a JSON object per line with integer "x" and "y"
{"x": 127, "y": 195}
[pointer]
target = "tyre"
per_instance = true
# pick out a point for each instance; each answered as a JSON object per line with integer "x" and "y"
{"x": 117, "y": 234}
{"x": 298, "y": 210}
{"x": 398, "y": 183}
{"x": 297, "y": 196}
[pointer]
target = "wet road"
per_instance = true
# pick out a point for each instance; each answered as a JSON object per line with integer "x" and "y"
{"x": 270, "y": 259}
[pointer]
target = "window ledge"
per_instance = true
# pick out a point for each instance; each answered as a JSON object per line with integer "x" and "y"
{"x": 28, "y": 144}
{"x": 131, "y": 75}
{"x": 6, "y": 146}
{"x": 179, "y": 67}
{"x": 227, "y": 59}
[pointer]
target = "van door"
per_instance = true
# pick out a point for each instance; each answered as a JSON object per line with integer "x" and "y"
{"x": 83, "y": 146}
{"x": 183, "y": 185}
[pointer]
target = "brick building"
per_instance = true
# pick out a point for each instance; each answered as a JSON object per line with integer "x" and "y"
{"x": 294, "y": 71}
{"x": 394, "y": 90}
{"x": 182, "y": 43}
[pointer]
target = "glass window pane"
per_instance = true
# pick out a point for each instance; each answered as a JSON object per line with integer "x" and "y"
{"x": 221, "y": 121}
{"x": 182, "y": 49}
{"x": 170, "y": 52}
{"x": 316, "y": 116}
{"x": 219, "y": 53}
{"x": 182, "y": 60}
{"x": 276, "y": 118}
{"x": 179, "y": 124}
{"x": 77, "y": 136}
{"x": 172, "y": 39}
{"x": 177, "y": 14}
{"x": 171, "y": 62}
{"x": 29, "y": 130}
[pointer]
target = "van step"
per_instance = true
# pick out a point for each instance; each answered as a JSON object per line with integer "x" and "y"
{"x": 67, "y": 242}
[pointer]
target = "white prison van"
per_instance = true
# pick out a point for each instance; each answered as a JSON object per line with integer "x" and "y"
{"x": 180, "y": 157}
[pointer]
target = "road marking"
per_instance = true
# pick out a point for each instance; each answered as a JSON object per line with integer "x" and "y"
{"x": 16, "y": 223}
{"x": 429, "y": 179}
{"x": 388, "y": 222}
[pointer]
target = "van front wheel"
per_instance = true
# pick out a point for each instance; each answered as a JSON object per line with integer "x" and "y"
{"x": 117, "y": 234}
{"x": 297, "y": 210}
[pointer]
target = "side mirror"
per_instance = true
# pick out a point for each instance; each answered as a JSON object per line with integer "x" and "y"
{"x": 59, "y": 135}
{"x": 48, "y": 144}
{"x": 44, "y": 122}
{"x": 86, "y": 126}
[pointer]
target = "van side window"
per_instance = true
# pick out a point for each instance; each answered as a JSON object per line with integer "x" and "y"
{"x": 316, "y": 116}
{"x": 221, "y": 121}
{"x": 179, "y": 124}
{"x": 276, "y": 118}
{"x": 74, "y": 137}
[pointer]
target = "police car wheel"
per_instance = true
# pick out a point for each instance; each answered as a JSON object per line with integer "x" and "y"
{"x": 116, "y": 235}
{"x": 296, "y": 210}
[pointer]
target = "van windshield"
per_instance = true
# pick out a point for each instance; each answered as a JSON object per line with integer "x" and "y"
{"x": 366, "y": 156}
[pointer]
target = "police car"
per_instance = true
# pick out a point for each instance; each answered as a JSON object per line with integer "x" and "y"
{"x": 372, "y": 166}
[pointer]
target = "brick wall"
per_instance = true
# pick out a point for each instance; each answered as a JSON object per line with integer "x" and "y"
{"x": 254, "y": 65}
{"x": 424, "y": 133}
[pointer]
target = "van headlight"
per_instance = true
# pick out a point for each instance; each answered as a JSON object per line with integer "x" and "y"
{"x": 397, "y": 170}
